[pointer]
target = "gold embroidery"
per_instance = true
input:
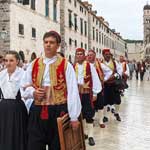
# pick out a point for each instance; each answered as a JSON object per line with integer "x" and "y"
{"x": 58, "y": 88}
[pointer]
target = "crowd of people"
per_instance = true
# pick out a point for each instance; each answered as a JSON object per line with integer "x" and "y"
{"x": 141, "y": 68}
{"x": 35, "y": 94}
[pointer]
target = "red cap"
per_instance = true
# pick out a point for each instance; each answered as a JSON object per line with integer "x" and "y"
{"x": 106, "y": 51}
{"x": 80, "y": 50}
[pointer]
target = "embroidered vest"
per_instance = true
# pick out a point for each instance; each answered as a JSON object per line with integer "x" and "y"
{"x": 124, "y": 67}
{"x": 87, "y": 86}
{"x": 99, "y": 70}
{"x": 112, "y": 66}
{"x": 58, "y": 87}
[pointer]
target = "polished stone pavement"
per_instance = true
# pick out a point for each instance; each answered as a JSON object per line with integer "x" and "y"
{"x": 133, "y": 132}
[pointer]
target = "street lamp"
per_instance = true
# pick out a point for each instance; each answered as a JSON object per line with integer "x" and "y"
{"x": 3, "y": 34}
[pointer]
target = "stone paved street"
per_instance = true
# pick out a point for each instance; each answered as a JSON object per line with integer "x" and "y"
{"x": 133, "y": 133}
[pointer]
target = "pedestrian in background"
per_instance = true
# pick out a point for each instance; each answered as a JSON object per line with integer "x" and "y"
{"x": 131, "y": 69}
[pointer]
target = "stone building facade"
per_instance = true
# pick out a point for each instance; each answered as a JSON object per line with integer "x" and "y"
{"x": 146, "y": 26}
{"x": 27, "y": 20}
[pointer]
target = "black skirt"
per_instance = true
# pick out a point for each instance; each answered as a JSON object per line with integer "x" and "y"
{"x": 111, "y": 95}
{"x": 99, "y": 103}
{"x": 88, "y": 111}
{"x": 13, "y": 125}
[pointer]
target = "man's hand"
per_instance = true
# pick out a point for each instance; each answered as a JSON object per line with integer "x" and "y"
{"x": 74, "y": 124}
{"x": 39, "y": 93}
{"x": 94, "y": 98}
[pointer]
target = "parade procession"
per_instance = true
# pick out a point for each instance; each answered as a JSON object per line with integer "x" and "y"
{"x": 67, "y": 84}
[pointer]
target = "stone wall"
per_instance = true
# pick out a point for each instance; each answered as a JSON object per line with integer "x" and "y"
{"x": 5, "y": 25}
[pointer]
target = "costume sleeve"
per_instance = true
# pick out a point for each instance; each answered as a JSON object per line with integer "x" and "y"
{"x": 26, "y": 84}
{"x": 119, "y": 68}
{"x": 97, "y": 87}
{"x": 73, "y": 98}
{"x": 127, "y": 71}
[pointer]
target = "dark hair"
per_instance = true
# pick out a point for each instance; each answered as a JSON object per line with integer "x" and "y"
{"x": 53, "y": 34}
{"x": 22, "y": 56}
{"x": 14, "y": 53}
{"x": 33, "y": 56}
{"x": 61, "y": 54}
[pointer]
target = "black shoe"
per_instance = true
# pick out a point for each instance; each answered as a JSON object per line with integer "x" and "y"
{"x": 91, "y": 141}
{"x": 105, "y": 119}
{"x": 85, "y": 136}
{"x": 112, "y": 110}
{"x": 117, "y": 117}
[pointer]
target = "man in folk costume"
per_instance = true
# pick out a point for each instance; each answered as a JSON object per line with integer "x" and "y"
{"x": 99, "y": 103}
{"x": 111, "y": 71}
{"x": 125, "y": 68}
{"x": 55, "y": 92}
{"x": 89, "y": 86}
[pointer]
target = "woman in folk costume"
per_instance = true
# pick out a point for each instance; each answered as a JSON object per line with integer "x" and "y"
{"x": 99, "y": 103}
{"x": 13, "y": 113}
{"x": 89, "y": 86}
{"x": 111, "y": 70}
{"x": 55, "y": 93}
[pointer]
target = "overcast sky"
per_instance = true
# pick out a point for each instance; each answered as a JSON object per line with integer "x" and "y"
{"x": 126, "y": 16}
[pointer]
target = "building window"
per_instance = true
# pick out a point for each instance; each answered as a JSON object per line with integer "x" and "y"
{"x": 99, "y": 37}
{"x": 85, "y": 46}
{"x": 55, "y": 10}
{"x": 75, "y": 22}
{"x": 47, "y": 8}
{"x": 21, "y": 29}
{"x": 99, "y": 25}
{"x": 33, "y": 4}
{"x": 33, "y": 32}
{"x": 96, "y": 35}
{"x": 85, "y": 28}
{"x": 81, "y": 44}
{"x": 75, "y": 43}
{"x": 81, "y": 9}
{"x": 75, "y": 3}
{"x": 96, "y": 22}
{"x": 99, "y": 51}
{"x": 102, "y": 39}
{"x": 20, "y": 1}
{"x": 81, "y": 25}
{"x": 70, "y": 18}
{"x": 93, "y": 33}
{"x": 70, "y": 41}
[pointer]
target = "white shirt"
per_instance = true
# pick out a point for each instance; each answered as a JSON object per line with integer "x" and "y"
{"x": 10, "y": 85}
{"x": 127, "y": 68}
{"x": 73, "y": 98}
{"x": 97, "y": 87}
{"x": 108, "y": 72}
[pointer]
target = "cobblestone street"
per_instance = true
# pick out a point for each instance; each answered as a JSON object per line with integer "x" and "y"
{"x": 133, "y": 133}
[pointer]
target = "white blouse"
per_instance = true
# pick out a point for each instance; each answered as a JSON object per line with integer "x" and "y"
{"x": 73, "y": 98}
{"x": 108, "y": 72}
{"x": 97, "y": 87}
{"x": 10, "y": 85}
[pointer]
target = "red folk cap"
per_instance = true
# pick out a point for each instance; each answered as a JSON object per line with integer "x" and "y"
{"x": 80, "y": 50}
{"x": 106, "y": 51}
